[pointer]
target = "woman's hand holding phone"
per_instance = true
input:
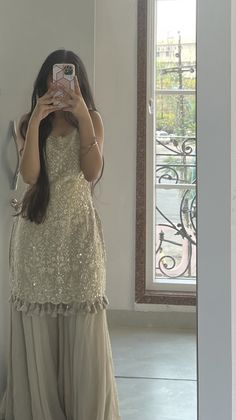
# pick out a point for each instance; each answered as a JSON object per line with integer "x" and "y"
{"x": 45, "y": 105}
{"x": 73, "y": 100}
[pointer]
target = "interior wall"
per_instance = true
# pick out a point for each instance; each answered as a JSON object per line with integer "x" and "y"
{"x": 116, "y": 96}
{"x": 214, "y": 209}
{"x": 233, "y": 203}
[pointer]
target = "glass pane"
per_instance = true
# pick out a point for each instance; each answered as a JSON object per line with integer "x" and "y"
{"x": 175, "y": 139}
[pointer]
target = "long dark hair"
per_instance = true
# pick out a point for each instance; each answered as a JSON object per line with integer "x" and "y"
{"x": 35, "y": 201}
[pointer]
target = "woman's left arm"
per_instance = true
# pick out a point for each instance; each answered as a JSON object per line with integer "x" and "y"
{"x": 91, "y": 128}
{"x": 91, "y": 131}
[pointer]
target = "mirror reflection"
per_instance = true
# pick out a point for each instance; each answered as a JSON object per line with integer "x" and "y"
{"x": 101, "y": 141}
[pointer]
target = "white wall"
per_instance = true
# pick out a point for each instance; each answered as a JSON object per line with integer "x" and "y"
{"x": 214, "y": 208}
{"x": 116, "y": 93}
{"x": 233, "y": 203}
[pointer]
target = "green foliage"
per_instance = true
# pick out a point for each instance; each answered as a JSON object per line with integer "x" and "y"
{"x": 175, "y": 113}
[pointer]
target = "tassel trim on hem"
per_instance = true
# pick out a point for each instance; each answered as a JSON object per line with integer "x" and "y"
{"x": 53, "y": 309}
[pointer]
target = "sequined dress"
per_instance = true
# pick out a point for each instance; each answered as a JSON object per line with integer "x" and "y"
{"x": 59, "y": 266}
{"x": 57, "y": 277}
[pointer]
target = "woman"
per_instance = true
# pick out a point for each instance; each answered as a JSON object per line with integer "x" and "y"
{"x": 60, "y": 363}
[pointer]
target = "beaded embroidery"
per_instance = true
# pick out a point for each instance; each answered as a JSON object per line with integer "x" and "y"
{"x": 59, "y": 266}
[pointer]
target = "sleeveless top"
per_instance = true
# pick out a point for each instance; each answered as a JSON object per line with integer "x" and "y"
{"x": 59, "y": 266}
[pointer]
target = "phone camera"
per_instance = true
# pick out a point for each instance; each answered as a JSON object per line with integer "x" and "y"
{"x": 68, "y": 70}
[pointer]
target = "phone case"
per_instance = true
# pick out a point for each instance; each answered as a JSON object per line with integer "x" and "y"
{"x": 64, "y": 73}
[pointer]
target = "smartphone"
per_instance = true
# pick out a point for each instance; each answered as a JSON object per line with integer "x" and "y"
{"x": 64, "y": 73}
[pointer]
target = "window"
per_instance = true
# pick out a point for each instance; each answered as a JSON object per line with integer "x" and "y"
{"x": 166, "y": 152}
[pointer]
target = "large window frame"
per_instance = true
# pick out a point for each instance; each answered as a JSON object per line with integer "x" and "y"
{"x": 145, "y": 290}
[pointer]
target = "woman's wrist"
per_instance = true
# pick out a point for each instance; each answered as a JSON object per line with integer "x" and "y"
{"x": 83, "y": 115}
{"x": 34, "y": 121}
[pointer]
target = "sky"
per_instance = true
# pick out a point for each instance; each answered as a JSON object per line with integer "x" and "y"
{"x": 175, "y": 15}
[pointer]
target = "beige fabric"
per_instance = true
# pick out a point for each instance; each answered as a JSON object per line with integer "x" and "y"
{"x": 63, "y": 259}
{"x": 60, "y": 361}
{"x": 59, "y": 368}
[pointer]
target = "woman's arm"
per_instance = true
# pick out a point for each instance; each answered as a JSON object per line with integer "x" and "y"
{"x": 29, "y": 156}
{"x": 90, "y": 126}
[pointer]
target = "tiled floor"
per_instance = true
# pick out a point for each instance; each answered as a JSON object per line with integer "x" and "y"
{"x": 155, "y": 372}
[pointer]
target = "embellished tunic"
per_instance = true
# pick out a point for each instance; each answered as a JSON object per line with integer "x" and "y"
{"x": 59, "y": 266}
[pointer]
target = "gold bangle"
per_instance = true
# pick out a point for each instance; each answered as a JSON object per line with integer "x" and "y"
{"x": 90, "y": 144}
{"x": 90, "y": 147}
